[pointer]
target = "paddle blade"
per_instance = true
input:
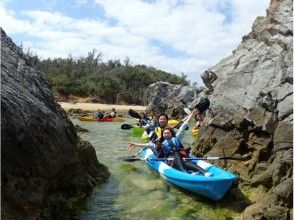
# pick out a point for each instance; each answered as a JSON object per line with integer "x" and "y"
{"x": 126, "y": 126}
{"x": 130, "y": 159}
{"x": 134, "y": 114}
{"x": 203, "y": 105}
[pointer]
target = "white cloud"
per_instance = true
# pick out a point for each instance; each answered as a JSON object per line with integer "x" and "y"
{"x": 79, "y": 3}
{"x": 196, "y": 29}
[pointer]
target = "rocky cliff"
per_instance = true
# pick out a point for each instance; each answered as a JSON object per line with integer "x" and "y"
{"x": 251, "y": 113}
{"x": 164, "y": 97}
{"x": 45, "y": 167}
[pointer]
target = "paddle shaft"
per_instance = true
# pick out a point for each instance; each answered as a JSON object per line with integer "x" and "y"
{"x": 133, "y": 159}
{"x": 198, "y": 158}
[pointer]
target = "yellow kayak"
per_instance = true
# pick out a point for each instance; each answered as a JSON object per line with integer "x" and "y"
{"x": 173, "y": 122}
{"x": 87, "y": 119}
{"x": 118, "y": 119}
{"x": 195, "y": 131}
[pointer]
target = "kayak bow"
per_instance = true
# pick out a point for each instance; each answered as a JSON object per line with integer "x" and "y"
{"x": 213, "y": 187}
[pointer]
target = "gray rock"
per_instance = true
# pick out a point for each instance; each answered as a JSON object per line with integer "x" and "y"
{"x": 251, "y": 95}
{"x": 45, "y": 167}
{"x": 164, "y": 97}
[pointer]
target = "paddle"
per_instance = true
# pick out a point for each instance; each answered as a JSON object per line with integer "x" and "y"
{"x": 126, "y": 126}
{"x": 133, "y": 158}
{"x": 202, "y": 106}
{"x": 134, "y": 114}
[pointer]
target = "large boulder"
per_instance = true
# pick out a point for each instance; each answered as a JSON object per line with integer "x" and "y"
{"x": 251, "y": 93}
{"x": 251, "y": 112}
{"x": 45, "y": 167}
{"x": 164, "y": 97}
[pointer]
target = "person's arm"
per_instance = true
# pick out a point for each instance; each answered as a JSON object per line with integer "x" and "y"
{"x": 132, "y": 145}
{"x": 181, "y": 132}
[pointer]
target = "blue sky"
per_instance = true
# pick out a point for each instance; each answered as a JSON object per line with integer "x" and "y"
{"x": 178, "y": 36}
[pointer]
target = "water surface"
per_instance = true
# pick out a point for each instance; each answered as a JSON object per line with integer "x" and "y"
{"x": 136, "y": 192}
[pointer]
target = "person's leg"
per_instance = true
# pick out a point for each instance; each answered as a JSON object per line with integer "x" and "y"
{"x": 194, "y": 167}
{"x": 178, "y": 163}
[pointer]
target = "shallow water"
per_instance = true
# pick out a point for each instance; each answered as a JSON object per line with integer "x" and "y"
{"x": 136, "y": 192}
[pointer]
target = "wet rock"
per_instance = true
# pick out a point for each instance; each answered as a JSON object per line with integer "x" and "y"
{"x": 45, "y": 167}
{"x": 254, "y": 212}
{"x": 251, "y": 111}
{"x": 80, "y": 129}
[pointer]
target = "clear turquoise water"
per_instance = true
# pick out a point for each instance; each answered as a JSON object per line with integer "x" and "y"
{"x": 136, "y": 192}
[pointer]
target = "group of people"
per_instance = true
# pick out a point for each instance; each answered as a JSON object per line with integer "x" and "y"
{"x": 103, "y": 114}
{"x": 166, "y": 143}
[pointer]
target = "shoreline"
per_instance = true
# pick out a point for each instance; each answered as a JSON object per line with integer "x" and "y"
{"x": 95, "y": 106}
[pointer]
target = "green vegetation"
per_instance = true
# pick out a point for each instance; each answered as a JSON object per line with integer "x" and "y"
{"x": 108, "y": 82}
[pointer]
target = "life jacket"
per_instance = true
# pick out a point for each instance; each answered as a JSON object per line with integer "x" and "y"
{"x": 169, "y": 146}
{"x": 154, "y": 133}
{"x": 158, "y": 131}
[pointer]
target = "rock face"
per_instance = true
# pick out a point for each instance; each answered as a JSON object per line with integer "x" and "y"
{"x": 251, "y": 94}
{"x": 45, "y": 167}
{"x": 164, "y": 97}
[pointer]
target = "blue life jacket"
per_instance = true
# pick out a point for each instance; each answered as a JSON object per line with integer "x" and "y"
{"x": 143, "y": 121}
{"x": 168, "y": 145}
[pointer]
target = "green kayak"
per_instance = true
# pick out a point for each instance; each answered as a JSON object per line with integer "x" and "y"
{"x": 138, "y": 131}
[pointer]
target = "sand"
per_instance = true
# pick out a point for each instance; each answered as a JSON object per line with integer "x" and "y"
{"x": 95, "y": 106}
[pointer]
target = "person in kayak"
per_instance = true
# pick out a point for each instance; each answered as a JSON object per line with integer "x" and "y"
{"x": 99, "y": 114}
{"x": 143, "y": 121}
{"x": 113, "y": 113}
{"x": 151, "y": 126}
{"x": 164, "y": 146}
{"x": 154, "y": 130}
{"x": 169, "y": 145}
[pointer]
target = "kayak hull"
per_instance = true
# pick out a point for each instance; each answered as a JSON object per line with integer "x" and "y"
{"x": 213, "y": 187}
{"x": 87, "y": 119}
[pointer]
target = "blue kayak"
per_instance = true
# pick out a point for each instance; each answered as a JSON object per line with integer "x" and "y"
{"x": 213, "y": 186}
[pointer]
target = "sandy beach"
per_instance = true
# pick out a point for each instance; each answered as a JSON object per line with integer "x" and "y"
{"x": 95, "y": 106}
